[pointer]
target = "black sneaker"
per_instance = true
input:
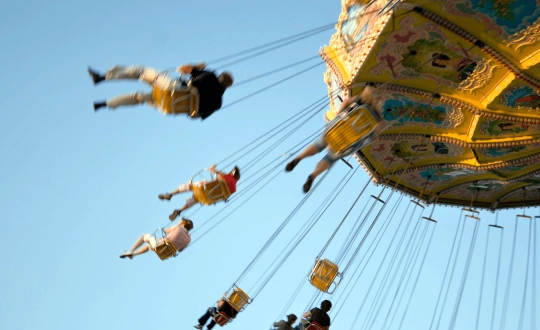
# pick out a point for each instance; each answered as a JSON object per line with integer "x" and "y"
{"x": 174, "y": 215}
{"x": 307, "y": 185}
{"x": 96, "y": 77}
{"x": 292, "y": 164}
{"x": 99, "y": 105}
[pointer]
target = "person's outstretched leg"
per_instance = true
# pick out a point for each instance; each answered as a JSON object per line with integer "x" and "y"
{"x": 311, "y": 150}
{"x": 322, "y": 166}
{"x": 118, "y": 72}
{"x": 189, "y": 203}
{"x": 129, "y": 254}
{"x": 211, "y": 325}
{"x": 142, "y": 250}
{"x": 125, "y": 100}
{"x": 133, "y": 252}
{"x": 185, "y": 187}
{"x": 140, "y": 72}
{"x": 202, "y": 321}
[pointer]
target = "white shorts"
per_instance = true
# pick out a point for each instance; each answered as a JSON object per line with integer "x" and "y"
{"x": 191, "y": 201}
{"x": 185, "y": 187}
{"x": 151, "y": 240}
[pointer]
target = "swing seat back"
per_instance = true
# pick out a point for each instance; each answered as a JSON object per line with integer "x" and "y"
{"x": 314, "y": 326}
{"x": 355, "y": 128}
{"x": 165, "y": 250}
{"x": 179, "y": 100}
{"x": 221, "y": 318}
{"x": 238, "y": 299}
{"x": 323, "y": 275}
{"x": 211, "y": 192}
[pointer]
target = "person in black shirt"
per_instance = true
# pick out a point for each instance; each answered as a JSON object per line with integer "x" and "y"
{"x": 210, "y": 87}
{"x": 206, "y": 84}
{"x": 222, "y": 306}
{"x": 319, "y": 315}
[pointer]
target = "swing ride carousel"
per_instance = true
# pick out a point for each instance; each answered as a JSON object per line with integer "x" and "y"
{"x": 457, "y": 83}
{"x": 455, "y": 90}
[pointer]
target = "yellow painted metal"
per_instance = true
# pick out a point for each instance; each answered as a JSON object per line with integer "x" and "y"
{"x": 531, "y": 61}
{"x": 342, "y": 71}
{"x": 238, "y": 299}
{"x": 498, "y": 89}
{"x": 208, "y": 193}
{"x": 348, "y": 130}
{"x": 178, "y": 101}
{"x": 323, "y": 275}
{"x": 165, "y": 250}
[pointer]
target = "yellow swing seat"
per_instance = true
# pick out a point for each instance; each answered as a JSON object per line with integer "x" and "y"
{"x": 358, "y": 124}
{"x": 179, "y": 100}
{"x": 324, "y": 275}
{"x": 238, "y": 299}
{"x": 165, "y": 249}
{"x": 208, "y": 193}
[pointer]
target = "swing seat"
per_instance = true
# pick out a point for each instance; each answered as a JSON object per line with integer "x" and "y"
{"x": 324, "y": 275}
{"x": 221, "y": 318}
{"x": 356, "y": 127}
{"x": 211, "y": 192}
{"x": 314, "y": 326}
{"x": 179, "y": 100}
{"x": 165, "y": 250}
{"x": 238, "y": 299}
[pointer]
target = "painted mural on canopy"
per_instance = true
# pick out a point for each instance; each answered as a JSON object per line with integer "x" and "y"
{"x": 502, "y": 17}
{"x": 423, "y": 50}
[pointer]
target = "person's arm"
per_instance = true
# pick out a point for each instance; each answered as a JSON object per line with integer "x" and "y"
{"x": 220, "y": 302}
{"x": 188, "y": 68}
{"x": 169, "y": 229}
{"x": 348, "y": 102}
{"x": 213, "y": 170}
{"x": 307, "y": 314}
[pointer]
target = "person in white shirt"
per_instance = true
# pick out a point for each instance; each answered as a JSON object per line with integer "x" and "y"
{"x": 178, "y": 235}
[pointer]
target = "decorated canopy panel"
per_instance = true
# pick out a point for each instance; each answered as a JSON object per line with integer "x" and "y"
{"x": 457, "y": 84}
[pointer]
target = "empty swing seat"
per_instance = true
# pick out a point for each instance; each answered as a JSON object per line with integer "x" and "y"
{"x": 354, "y": 129}
{"x": 208, "y": 193}
{"x": 165, "y": 250}
{"x": 179, "y": 100}
{"x": 238, "y": 299}
{"x": 221, "y": 318}
{"x": 323, "y": 275}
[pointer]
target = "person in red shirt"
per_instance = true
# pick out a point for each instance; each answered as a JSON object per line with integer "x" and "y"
{"x": 231, "y": 178}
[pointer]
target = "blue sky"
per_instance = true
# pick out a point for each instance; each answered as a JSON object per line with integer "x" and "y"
{"x": 79, "y": 187}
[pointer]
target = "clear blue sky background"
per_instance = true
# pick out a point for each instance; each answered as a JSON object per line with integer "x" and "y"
{"x": 79, "y": 187}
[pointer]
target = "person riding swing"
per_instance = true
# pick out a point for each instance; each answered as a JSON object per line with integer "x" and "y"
{"x": 200, "y": 195}
{"x": 199, "y": 97}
